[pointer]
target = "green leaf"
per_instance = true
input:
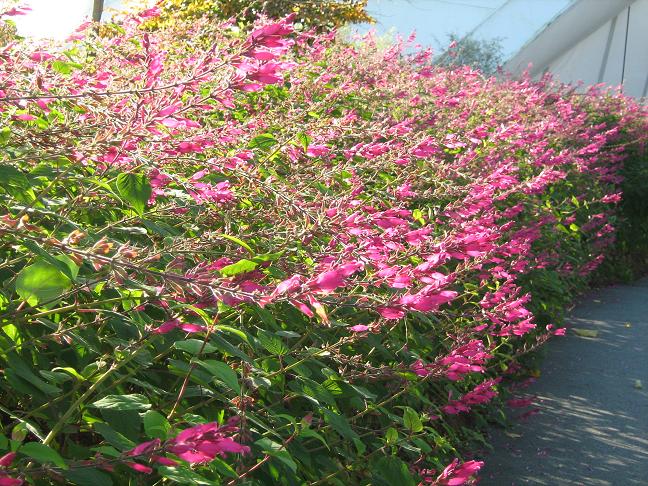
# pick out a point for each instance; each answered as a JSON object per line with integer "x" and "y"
{"x": 193, "y": 346}
{"x": 303, "y": 139}
{"x": 113, "y": 437}
{"x": 268, "y": 257}
{"x": 388, "y": 471}
{"x": 340, "y": 424}
{"x": 156, "y": 425}
{"x": 272, "y": 343}
{"x": 62, "y": 262}
{"x": 238, "y": 242}
{"x": 263, "y": 141}
{"x": 276, "y": 450}
{"x": 222, "y": 372}
{"x": 183, "y": 476}
{"x": 288, "y": 334}
{"x": 88, "y": 477}
{"x": 411, "y": 420}
{"x": 5, "y": 134}
{"x": 43, "y": 454}
{"x": 41, "y": 282}
{"x": 228, "y": 348}
{"x": 123, "y": 402}
{"x": 391, "y": 436}
{"x": 21, "y": 369}
{"x": 311, "y": 433}
{"x": 10, "y": 176}
{"x": 135, "y": 189}
{"x": 65, "y": 67}
{"x": 241, "y": 266}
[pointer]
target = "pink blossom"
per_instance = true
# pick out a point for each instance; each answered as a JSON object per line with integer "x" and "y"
{"x": 169, "y": 326}
{"x": 8, "y": 481}
{"x": 20, "y": 10}
{"x": 330, "y": 280}
{"x": 150, "y": 13}
{"x": 359, "y": 328}
{"x": 390, "y": 312}
{"x": 139, "y": 467}
{"x": 7, "y": 459}
{"x": 426, "y": 303}
{"x": 40, "y": 56}
{"x": 317, "y": 150}
{"x": 25, "y": 117}
{"x": 456, "y": 474}
{"x": 202, "y": 443}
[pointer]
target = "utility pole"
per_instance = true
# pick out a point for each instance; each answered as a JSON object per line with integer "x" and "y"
{"x": 97, "y": 10}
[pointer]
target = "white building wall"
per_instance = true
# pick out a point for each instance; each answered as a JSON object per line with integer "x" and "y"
{"x": 615, "y": 52}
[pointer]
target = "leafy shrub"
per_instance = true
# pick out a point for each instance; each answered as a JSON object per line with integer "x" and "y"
{"x": 266, "y": 257}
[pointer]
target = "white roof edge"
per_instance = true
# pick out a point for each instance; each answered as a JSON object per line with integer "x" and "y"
{"x": 572, "y": 24}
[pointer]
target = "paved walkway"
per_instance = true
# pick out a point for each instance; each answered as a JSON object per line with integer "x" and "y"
{"x": 592, "y": 428}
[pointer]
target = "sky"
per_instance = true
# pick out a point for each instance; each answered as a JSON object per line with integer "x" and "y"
{"x": 55, "y": 18}
{"x": 514, "y": 22}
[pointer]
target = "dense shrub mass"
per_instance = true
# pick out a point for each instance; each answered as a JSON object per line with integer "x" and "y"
{"x": 265, "y": 257}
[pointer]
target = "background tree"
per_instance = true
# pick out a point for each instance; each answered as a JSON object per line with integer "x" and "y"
{"x": 322, "y": 14}
{"x": 483, "y": 54}
{"x": 97, "y": 9}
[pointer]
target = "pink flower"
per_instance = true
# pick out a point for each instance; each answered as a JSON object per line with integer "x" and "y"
{"x": 391, "y": 312}
{"x": 16, "y": 11}
{"x": 332, "y": 279}
{"x": 169, "y": 326}
{"x": 40, "y": 56}
{"x": 317, "y": 150}
{"x": 359, "y": 328}
{"x": 139, "y": 467}
{"x": 144, "y": 448}
{"x": 24, "y": 117}
{"x": 7, "y": 459}
{"x": 202, "y": 443}
{"x": 150, "y": 13}
{"x": 7, "y": 481}
{"x": 457, "y": 474}
{"x": 427, "y": 303}
{"x": 611, "y": 198}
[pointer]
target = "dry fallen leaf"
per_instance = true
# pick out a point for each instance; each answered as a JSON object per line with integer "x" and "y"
{"x": 590, "y": 333}
{"x": 513, "y": 435}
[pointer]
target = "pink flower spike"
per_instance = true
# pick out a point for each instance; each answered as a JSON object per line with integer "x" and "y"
{"x": 140, "y": 467}
{"x": 168, "y": 326}
{"x": 40, "y": 56}
{"x": 391, "y": 313}
{"x": 144, "y": 448}
{"x": 359, "y": 328}
{"x": 190, "y": 327}
{"x": 165, "y": 461}
{"x": 24, "y": 117}
{"x": 7, "y": 459}
{"x": 7, "y": 481}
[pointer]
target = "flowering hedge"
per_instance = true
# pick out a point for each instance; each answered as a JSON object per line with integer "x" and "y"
{"x": 268, "y": 257}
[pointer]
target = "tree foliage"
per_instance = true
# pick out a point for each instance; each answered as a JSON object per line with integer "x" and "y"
{"x": 319, "y": 14}
{"x": 482, "y": 54}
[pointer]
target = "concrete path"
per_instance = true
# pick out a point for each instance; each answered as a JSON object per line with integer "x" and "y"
{"x": 592, "y": 427}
